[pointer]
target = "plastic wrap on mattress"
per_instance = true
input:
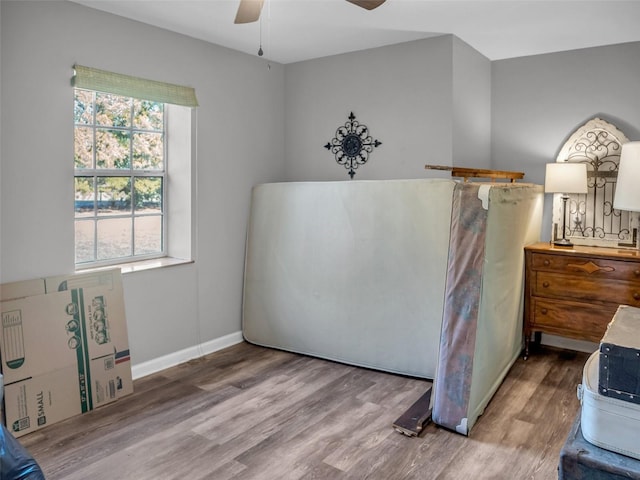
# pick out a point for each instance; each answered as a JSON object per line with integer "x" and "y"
{"x": 462, "y": 300}
{"x": 482, "y": 323}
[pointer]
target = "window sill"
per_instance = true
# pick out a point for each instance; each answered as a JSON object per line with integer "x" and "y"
{"x": 142, "y": 265}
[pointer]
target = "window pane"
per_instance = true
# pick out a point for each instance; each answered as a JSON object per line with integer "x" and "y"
{"x": 113, "y": 110}
{"x": 148, "y": 151}
{"x": 114, "y": 195}
{"x": 148, "y": 115}
{"x": 148, "y": 235}
{"x": 83, "y": 155}
{"x": 84, "y": 241}
{"x": 83, "y": 107}
{"x": 114, "y": 238}
{"x": 112, "y": 149}
{"x": 84, "y": 196}
{"x": 119, "y": 142}
{"x": 148, "y": 194}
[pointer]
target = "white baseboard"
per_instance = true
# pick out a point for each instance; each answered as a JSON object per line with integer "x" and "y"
{"x": 176, "y": 358}
{"x": 171, "y": 360}
{"x": 569, "y": 343}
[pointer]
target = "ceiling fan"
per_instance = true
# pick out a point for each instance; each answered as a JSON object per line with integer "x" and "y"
{"x": 249, "y": 10}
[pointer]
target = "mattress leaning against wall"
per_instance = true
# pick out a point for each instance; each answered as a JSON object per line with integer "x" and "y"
{"x": 349, "y": 271}
{"x": 482, "y": 323}
{"x": 364, "y": 273}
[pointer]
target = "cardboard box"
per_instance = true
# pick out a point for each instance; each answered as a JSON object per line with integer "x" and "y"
{"x": 42, "y": 400}
{"x": 108, "y": 280}
{"x": 64, "y": 352}
{"x": 25, "y": 288}
{"x": 619, "y": 358}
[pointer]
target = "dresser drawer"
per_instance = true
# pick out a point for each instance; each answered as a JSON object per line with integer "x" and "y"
{"x": 588, "y": 289}
{"x": 574, "y": 319}
{"x": 584, "y": 266}
{"x": 576, "y": 292}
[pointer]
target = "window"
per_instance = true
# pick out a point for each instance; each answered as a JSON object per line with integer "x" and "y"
{"x": 125, "y": 131}
{"x": 120, "y": 167}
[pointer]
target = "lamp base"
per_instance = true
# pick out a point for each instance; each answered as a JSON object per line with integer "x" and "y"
{"x": 563, "y": 242}
{"x": 634, "y": 240}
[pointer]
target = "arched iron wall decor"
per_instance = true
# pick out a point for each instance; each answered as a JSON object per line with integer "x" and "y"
{"x": 352, "y": 145}
{"x": 592, "y": 220}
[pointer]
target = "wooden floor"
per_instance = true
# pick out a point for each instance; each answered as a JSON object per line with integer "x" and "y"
{"x": 253, "y": 413}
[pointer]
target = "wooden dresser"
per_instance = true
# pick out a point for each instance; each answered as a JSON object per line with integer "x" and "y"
{"x": 574, "y": 292}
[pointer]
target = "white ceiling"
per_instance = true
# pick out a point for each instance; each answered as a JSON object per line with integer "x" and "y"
{"x": 296, "y": 30}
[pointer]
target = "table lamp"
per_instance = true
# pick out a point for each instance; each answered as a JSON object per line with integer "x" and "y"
{"x": 565, "y": 178}
{"x": 627, "y": 194}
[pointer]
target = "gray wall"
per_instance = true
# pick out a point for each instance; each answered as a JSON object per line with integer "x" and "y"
{"x": 538, "y": 101}
{"x": 471, "y": 107}
{"x": 415, "y": 97}
{"x": 430, "y": 101}
{"x": 240, "y": 142}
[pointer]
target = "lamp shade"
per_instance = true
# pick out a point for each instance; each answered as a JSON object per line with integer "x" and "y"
{"x": 627, "y": 196}
{"x": 565, "y": 177}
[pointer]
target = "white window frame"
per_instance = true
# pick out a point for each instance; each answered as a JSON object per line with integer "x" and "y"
{"x": 179, "y": 240}
{"x": 180, "y": 212}
{"x": 132, "y": 173}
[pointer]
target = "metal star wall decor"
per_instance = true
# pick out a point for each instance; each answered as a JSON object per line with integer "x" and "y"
{"x": 352, "y": 145}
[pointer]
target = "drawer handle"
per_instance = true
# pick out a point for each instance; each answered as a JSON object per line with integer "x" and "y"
{"x": 637, "y": 273}
{"x": 636, "y": 296}
{"x": 543, "y": 311}
{"x": 591, "y": 267}
{"x": 545, "y": 284}
{"x": 546, "y": 263}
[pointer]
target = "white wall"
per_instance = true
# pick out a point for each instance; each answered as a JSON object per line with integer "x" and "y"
{"x": 240, "y": 142}
{"x": 538, "y": 101}
{"x": 415, "y": 97}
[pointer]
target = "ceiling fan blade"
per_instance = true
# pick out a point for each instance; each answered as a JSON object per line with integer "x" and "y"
{"x": 248, "y": 11}
{"x": 368, "y": 4}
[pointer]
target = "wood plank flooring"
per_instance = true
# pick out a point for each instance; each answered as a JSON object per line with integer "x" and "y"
{"x": 249, "y": 412}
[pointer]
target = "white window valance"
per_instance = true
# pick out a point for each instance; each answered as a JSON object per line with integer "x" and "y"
{"x": 128, "y": 86}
